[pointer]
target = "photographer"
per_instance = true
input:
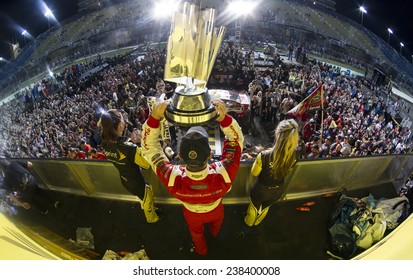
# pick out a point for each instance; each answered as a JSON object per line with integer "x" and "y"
{"x": 22, "y": 187}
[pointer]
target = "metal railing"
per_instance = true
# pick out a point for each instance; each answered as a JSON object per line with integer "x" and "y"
{"x": 309, "y": 178}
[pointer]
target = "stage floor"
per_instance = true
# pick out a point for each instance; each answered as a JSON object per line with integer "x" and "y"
{"x": 285, "y": 234}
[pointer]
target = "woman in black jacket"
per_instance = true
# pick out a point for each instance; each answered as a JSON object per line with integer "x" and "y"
{"x": 126, "y": 156}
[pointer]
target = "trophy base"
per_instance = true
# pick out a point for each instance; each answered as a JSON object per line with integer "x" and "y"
{"x": 191, "y": 108}
{"x": 190, "y": 118}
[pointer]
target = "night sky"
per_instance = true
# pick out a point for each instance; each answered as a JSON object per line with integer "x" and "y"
{"x": 17, "y": 15}
{"x": 381, "y": 15}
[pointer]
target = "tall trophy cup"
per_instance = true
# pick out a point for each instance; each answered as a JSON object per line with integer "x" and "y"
{"x": 193, "y": 46}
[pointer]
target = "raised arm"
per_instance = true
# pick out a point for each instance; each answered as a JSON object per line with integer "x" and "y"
{"x": 151, "y": 147}
{"x": 234, "y": 140}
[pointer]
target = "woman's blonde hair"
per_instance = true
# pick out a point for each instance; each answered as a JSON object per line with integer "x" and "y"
{"x": 283, "y": 152}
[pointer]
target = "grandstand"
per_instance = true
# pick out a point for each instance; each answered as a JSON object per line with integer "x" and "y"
{"x": 115, "y": 24}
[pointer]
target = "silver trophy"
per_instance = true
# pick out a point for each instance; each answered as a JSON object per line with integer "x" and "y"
{"x": 193, "y": 46}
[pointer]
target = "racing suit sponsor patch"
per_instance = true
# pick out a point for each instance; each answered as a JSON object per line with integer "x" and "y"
{"x": 199, "y": 187}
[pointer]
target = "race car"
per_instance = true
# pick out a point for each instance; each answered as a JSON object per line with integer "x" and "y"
{"x": 237, "y": 102}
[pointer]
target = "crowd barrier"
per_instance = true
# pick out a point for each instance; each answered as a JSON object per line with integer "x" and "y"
{"x": 309, "y": 177}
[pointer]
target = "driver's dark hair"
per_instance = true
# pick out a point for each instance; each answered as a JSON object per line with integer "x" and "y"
{"x": 110, "y": 121}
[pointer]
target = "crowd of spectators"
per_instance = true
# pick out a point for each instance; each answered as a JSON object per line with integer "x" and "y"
{"x": 356, "y": 119}
{"x": 48, "y": 125}
{"x": 59, "y": 117}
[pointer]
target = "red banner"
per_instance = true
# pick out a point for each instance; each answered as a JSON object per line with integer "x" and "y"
{"x": 312, "y": 102}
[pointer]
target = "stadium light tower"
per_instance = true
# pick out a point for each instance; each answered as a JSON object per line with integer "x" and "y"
{"x": 164, "y": 8}
{"x": 240, "y": 9}
{"x": 24, "y": 33}
{"x": 48, "y": 14}
{"x": 3, "y": 60}
{"x": 362, "y": 11}
{"x": 401, "y": 46}
{"x": 390, "y": 32}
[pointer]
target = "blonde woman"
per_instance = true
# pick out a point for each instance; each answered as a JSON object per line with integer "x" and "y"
{"x": 271, "y": 167}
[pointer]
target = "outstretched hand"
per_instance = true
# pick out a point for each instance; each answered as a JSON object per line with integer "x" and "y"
{"x": 136, "y": 136}
{"x": 221, "y": 109}
{"x": 26, "y": 205}
{"x": 158, "y": 110}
